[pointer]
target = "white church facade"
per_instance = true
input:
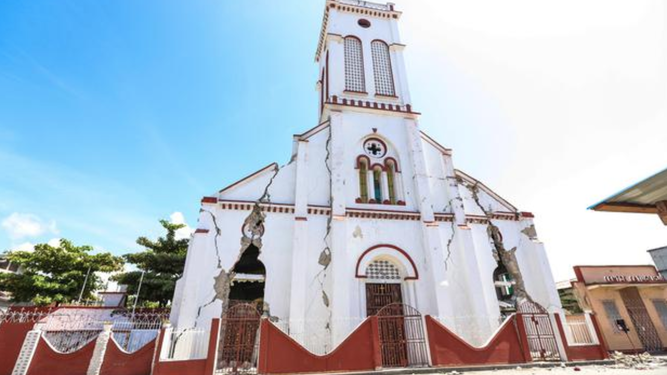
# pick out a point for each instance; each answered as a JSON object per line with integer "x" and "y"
{"x": 369, "y": 211}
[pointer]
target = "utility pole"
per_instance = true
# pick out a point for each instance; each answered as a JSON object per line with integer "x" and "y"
{"x": 136, "y": 297}
{"x": 85, "y": 282}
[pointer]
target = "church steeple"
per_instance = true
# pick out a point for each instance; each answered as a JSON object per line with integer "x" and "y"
{"x": 361, "y": 57}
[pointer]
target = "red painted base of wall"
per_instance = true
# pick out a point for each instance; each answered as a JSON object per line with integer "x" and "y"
{"x": 280, "y": 354}
{"x": 118, "y": 362}
{"x": 582, "y": 353}
{"x": 11, "y": 340}
{"x": 447, "y": 349}
{"x": 191, "y": 367}
{"x": 49, "y": 362}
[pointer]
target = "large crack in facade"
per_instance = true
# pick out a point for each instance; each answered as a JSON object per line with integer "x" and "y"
{"x": 503, "y": 256}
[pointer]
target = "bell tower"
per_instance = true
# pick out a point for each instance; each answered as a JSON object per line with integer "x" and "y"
{"x": 360, "y": 57}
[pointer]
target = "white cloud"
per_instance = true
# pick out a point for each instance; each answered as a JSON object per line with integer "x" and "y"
{"x": 54, "y": 242}
{"x": 186, "y": 231}
{"x": 26, "y": 246}
{"x": 19, "y": 225}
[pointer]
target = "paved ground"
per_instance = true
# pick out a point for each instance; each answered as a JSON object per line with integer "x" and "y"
{"x": 584, "y": 370}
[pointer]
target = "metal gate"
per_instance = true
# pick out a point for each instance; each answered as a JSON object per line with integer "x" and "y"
{"x": 240, "y": 339}
{"x": 539, "y": 332}
{"x": 402, "y": 339}
{"x": 648, "y": 335}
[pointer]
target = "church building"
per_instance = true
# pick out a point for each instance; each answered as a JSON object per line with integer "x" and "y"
{"x": 368, "y": 212}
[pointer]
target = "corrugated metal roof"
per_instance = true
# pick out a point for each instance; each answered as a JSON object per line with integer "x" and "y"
{"x": 640, "y": 197}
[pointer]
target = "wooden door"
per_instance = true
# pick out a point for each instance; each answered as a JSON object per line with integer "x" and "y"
{"x": 381, "y": 295}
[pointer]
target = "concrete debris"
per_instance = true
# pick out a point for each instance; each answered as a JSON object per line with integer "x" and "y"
{"x": 638, "y": 361}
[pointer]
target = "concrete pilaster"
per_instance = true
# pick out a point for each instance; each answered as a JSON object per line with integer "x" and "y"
{"x": 27, "y": 350}
{"x": 96, "y": 361}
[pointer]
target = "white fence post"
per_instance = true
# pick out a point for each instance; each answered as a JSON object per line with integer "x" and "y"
{"x": 27, "y": 350}
{"x": 95, "y": 365}
{"x": 591, "y": 328}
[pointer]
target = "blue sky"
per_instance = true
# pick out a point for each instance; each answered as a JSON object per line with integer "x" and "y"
{"x": 116, "y": 114}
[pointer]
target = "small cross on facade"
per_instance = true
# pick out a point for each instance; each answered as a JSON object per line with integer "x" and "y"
{"x": 374, "y": 149}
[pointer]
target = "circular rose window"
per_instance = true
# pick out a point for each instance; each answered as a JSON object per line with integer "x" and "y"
{"x": 375, "y": 148}
{"x": 364, "y": 23}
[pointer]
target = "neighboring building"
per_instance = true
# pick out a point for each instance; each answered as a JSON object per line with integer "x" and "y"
{"x": 659, "y": 256}
{"x": 625, "y": 296}
{"x": 369, "y": 211}
{"x": 646, "y": 197}
{"x": 567, "y": 297}
{"x": 6, "y": 267}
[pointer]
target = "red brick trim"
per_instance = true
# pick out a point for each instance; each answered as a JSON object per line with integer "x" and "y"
{"x": 358, "y": 274}
{"x": 201, "y": 231}
{"x": 209, "y": 200}
{"x": 371, "y": 105}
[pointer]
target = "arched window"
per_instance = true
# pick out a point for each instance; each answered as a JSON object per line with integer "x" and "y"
{"x": 377, "y": 184}
{"x": 354, "y": 65}
{"x": 384, "y": 78}
{"x": 363, "y": 180}
{"x": 391, "y": 169}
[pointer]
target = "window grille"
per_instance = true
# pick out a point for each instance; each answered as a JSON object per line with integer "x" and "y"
{"x": 354, "y": 65}
{"x": 612, "y": 314}
{"x": 384, "y": 78}
{"x": 382, "y": 270}
{"x": 661, "y": 308}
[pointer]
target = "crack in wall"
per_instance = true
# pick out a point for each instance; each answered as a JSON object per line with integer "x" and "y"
{"x": 217, "y": 234}
{"x": 503, "y": 256}
{"x": 326, "y": 255}
{"x": 449, "y": 208}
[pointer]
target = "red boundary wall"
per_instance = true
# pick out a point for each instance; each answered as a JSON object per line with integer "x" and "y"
{"x": 190, "y": 367}
{"x": 280, "y": 354}
{"x": 119, "y": 362}
{"x": 49, "y": 362}
{"x": 447, "y": 349}
{"x": 12, "y": 336}
{"x": 587, "y": 352}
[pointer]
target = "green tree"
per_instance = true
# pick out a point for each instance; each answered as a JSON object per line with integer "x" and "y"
{"x": 162, "y": 263}
{"x": 56, "y": 274}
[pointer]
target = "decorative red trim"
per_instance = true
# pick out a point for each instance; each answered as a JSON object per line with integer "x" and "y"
{"x": 212, "y": 200}
{"x": 301, "y": 218}
{"x": 358, "y": 275}
{"x": 201, "y": 230}
{"x": 274, "y": 165}
{"x": 377, "y": 165}
{"x": 335, "y": 100}
{"x": 359, "y": 158}
{"x": 396, "y": 168}
{"x": 528, "y": 215}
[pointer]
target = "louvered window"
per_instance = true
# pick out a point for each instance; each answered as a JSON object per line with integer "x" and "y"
{"x": 354, "y": 65}
{"x": 384, "y": 78}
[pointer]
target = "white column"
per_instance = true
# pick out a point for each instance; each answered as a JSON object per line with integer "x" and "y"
{"x": 27, "y": 350}
{"x": 371, "y": 185}
{"x": 96, "y": 361}
{"x": 342, "y": 274}
{"x": 398, "y": 186}
{"x": 385, "y": 186}
{"x": 298, "y": 285}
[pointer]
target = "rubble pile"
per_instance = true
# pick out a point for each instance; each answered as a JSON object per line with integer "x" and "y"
{"x": 637, "y": 361}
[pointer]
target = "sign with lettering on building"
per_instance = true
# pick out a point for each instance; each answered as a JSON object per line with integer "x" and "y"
{"x": 618, "y": 275}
